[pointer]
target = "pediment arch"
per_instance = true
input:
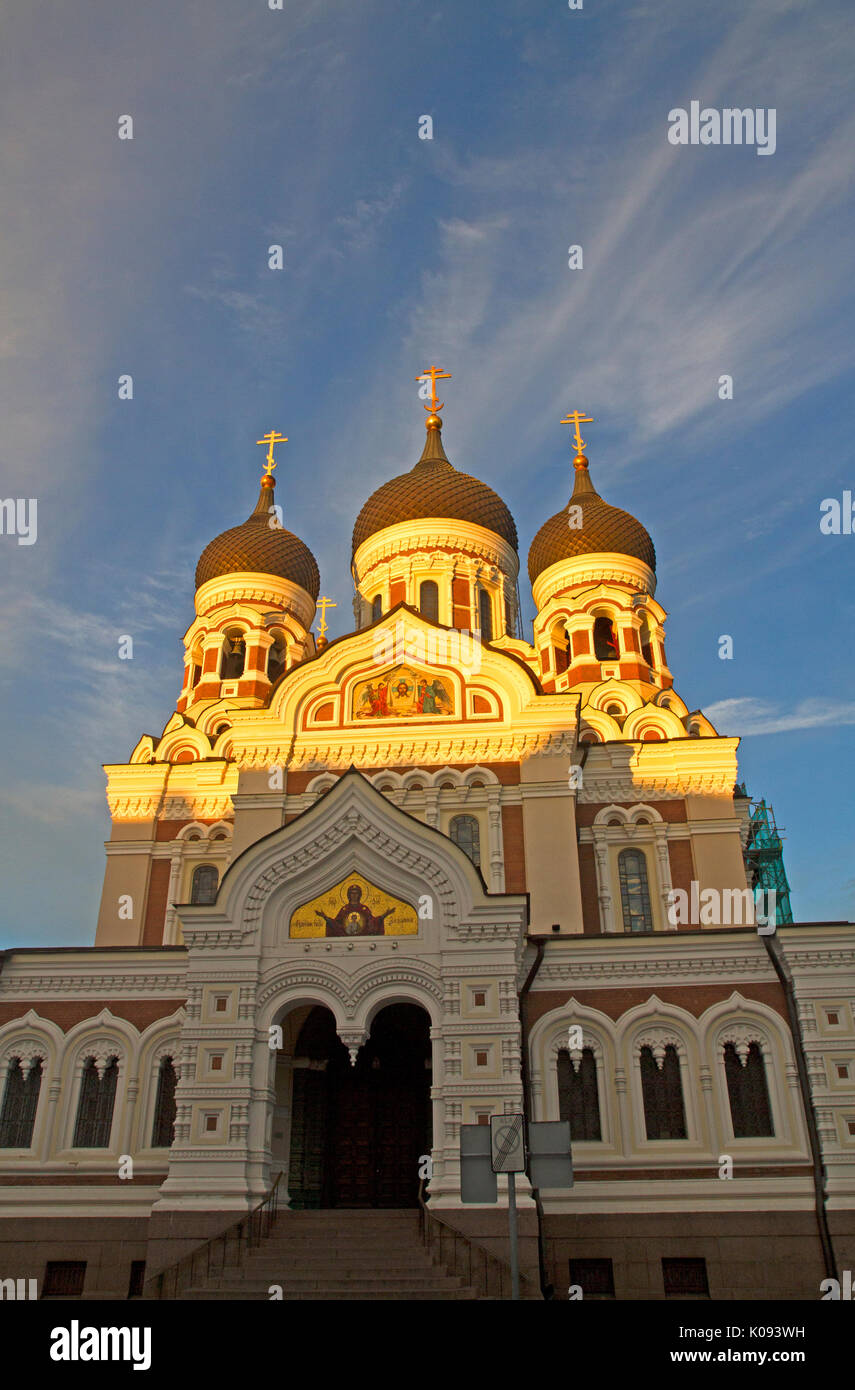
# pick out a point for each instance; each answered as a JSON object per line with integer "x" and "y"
{"x": 352, "y": 829}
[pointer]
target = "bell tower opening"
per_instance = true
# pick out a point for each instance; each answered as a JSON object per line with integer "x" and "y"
{"x": 359, "y": 1132}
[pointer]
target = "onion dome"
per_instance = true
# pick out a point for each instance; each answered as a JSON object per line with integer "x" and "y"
{"x": 257, "y": 547}
{"x": 434, "y": 488}
{"x": 604, "y": 529}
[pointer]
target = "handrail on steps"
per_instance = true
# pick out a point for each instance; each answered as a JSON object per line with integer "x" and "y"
{"x": 477, "y": 1261}
{"x": 249, "y": 1231}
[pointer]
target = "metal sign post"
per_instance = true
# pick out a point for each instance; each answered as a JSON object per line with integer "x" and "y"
{"x": 508, "y": 1156}
{"x": 483, "y": 1154}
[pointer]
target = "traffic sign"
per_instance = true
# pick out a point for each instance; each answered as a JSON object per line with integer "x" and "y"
{"x": 508, "y": 1145}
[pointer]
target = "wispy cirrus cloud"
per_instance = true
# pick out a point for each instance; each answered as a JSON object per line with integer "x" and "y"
{"x": 745, "y": 715}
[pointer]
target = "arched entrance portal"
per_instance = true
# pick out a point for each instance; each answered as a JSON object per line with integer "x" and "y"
{"x": 358, "y": 1132}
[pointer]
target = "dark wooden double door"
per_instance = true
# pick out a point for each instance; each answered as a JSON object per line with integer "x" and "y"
{"x": 358, "y": 1132}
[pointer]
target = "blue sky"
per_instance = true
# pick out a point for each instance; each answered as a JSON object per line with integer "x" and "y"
{"x": 300, "y": 127}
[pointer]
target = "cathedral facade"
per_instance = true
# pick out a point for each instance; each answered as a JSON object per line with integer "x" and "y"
{"x": 361, "y": 893}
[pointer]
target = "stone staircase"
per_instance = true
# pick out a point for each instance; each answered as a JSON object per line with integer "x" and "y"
{"x": 339, "y": 1254}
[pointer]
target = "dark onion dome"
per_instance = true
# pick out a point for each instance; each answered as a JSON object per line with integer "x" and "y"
{"x": 257, "y": 547}
{"x": 604, "y": 529}
{"x": 434, "y": 488}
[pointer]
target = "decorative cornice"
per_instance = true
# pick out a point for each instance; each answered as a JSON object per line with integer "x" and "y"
{"x": 256, "y": 588}
{"x": 143, "y": 987}
{"x": 593, "y": 569}
{"x": 615, "y": 970}
{"x": 407, "y": 540}
{"x": 374, "y": 750}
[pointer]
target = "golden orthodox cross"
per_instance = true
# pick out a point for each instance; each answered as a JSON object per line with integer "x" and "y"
{"x": 435, "y": 375}
{"x": 576, "y": 418}
{"x": 324, "y": 604}
{"x": 272, "y": 437}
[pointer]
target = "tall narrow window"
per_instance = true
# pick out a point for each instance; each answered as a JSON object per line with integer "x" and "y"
{"x": 20, "y": 1102}
{"x": 377, "y": 608}
{"x": 605, "y": 641}
{"x": 429, "y": 600}
{"x": 204, "y": 886}
{"x": 276, "y": 661}
{"x": 750, "y": 1110}
{"x": 644, "y": 643}
{"x": 634, "y": 891}
{"x": 578, "y": 1097}
{"x": 662, "y": 1090}
{"x": 485, "y": 615}
{"x": 464, "y": 832}
{"x": 163, "y": 1131}
{"x": 95, "y": 1107}
{"x": 560, "y": 647}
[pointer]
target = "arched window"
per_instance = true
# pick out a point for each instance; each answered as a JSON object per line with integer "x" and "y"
{"x": 485, "y": 615}
{"x": 605, "y": 640}
{"x": 276, "y": 658}
{"x": 377, "y": 608}
{"x": 163, "y": 1130}
{"x": 204, "y": 885}
{"x": 644, "y": 643}
{"x": 20, "y": 1102}
{"x": 578, "y": 1098}
{"x": 234, "y": 656}
{"x": 634, "y": 891}
{"x": 464, "y": 832}
{"x": 662, "y": 1090}
{"x": 196, "y": 673}
{"x": 429, "y": 600}
{"x": 95, "y": 1106}
{"x": 560, "y": 647}
{"x": 748, "y": 1093}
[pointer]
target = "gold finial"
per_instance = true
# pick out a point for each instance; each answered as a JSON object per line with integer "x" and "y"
{"x": 576, "y": 418}
{"x": 435, "y": 374}
{"x": 324, "y": 604}
{"x": 272, "y": 437}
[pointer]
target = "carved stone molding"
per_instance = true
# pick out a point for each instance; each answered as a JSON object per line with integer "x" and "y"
{"x": 658, "y": 1039}
{"x": 98, "y": 987}
{"x": 27, "y": 1049}
{"x": 102, "y": 1054}
{"x": 742, "y": 1035}
{"x": 382, "y": 752}
{"x": 351, "y": 825}
{"x": 353, "y": 1039}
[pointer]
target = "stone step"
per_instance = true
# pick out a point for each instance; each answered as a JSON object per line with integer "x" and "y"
{"x": 331, "y": 1216}
{"x": 331, "y": 1295}
{"x": 332, "y": 1250}
{"x": 355, "y": 1269}
{"x": 356, "y": 1253}
{"x": 333, "y": 1281}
